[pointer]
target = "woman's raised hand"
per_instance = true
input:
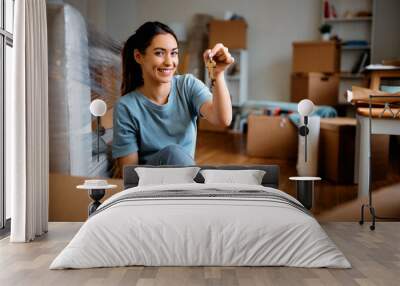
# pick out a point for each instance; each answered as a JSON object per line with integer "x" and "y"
{"x": 221, "y": 56}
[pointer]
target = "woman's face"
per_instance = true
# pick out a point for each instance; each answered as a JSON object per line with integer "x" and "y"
{"x": 160, "y": 60}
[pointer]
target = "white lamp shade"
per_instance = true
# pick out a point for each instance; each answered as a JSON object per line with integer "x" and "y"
{"x": 98, "y": 107}
{"x": 305, "y": 107}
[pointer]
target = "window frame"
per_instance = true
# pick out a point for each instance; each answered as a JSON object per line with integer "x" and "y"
{"x": 6, "y": 39}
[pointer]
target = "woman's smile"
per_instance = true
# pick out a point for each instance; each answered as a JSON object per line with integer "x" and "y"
{"x": 166, "y": 71}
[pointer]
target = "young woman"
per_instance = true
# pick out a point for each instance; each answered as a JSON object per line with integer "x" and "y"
{"x": 155, "y": 119}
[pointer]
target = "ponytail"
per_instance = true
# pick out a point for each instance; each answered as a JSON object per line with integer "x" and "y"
{"x": 132, "y": 76}
{"x": 131, "y": 70}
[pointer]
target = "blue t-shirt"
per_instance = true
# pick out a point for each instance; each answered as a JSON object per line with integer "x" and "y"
{"x": 143, "y": 126}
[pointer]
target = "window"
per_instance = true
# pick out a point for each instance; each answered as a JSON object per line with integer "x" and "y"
{"x": 6, "y": 45}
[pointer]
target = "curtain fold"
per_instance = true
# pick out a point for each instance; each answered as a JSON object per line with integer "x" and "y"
{"x": 27, "y": 173}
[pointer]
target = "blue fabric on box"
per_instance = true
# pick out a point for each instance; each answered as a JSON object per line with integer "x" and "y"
{"x": 323, "y": 111}
{"x": 390, "y": 89}
{"x": 355, "y": 43}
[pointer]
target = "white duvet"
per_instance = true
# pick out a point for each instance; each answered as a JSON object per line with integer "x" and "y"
{"x": 200, "y": 231}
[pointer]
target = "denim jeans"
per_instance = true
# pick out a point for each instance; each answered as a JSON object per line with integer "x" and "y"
{"x": 171, "y": 155}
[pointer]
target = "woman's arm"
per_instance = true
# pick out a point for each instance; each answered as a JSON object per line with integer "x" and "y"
{"x": 219, "y": 110}
{"x": 131, "y": 159}
{"x": 124, "y": 138}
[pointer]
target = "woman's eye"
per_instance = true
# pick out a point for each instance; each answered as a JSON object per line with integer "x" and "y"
{"x": 175, "y": 53}
{"x": 159, "y": 53}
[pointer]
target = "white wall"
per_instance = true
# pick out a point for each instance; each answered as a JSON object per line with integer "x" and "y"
{"x": 122, "y": 16}
{"x": 272, "y": 27}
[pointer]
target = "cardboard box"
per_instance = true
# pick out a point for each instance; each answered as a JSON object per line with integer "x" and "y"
{"x": 271, "y": 137}
{"x": 380, "y": 156}
{"x": 337, "y": 151}
{"x": 67, "y": 203}
{"x": 204, "y": 125}
{"x": 322, "y": 89}
{"x": 316, "y": 57}
{"x": 233, "y": 34}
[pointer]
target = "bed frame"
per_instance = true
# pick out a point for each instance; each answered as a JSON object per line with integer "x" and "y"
{"x": 270, "y": 179}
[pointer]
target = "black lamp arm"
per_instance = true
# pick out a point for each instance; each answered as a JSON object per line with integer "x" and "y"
{"x": 98, "y": 136}
{"x": 304, "y": 132}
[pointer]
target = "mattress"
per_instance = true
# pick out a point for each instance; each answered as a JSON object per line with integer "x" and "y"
{"x": 201, "y": 225}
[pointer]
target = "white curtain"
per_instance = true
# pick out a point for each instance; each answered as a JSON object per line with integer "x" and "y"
{"x": 27, "y": 159}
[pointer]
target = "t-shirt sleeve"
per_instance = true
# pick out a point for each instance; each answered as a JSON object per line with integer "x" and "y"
{"x": 124, "y": 132}
{"x": 198, "y": 93}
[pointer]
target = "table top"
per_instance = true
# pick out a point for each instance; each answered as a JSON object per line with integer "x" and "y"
{"x": 88, "y": 187}
{"x": 305, "y": 178}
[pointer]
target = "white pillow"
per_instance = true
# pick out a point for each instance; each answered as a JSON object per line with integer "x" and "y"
{"x": 163, "y": 176}
{"x": 249, "y": 177}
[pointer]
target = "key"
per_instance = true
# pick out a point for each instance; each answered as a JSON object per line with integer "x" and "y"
{"x": 211, "y": 64}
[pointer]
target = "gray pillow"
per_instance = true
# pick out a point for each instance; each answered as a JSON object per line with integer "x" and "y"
{"x": 164, "y": 176}
{"x": 248, "y": 177}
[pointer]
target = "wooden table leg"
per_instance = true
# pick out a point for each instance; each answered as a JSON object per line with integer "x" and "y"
{"x": 375, "y": 81}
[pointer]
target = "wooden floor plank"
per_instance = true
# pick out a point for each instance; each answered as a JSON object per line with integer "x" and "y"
{"x": 374, "y": 255}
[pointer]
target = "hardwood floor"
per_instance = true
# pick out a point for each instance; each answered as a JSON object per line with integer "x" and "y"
{"x": 375, "y": 259}
{"x": 227, "y": 148}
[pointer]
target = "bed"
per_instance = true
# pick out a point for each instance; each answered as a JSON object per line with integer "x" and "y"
{"x": 201, "y": 224}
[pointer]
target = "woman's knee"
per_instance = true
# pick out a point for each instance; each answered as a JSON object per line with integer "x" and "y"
{"x": 176, "y": 155}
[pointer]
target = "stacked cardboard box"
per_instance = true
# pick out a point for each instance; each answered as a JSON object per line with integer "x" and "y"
{"x": 271, "y": 137}
{"x": 233, "y": 33}
{"x": 315, "y": 72}
{"x": 321, "y": 89}
{"x": 337, "y": 151}
{"x": 336, "y": 148}
{"x": 321, "y": 57}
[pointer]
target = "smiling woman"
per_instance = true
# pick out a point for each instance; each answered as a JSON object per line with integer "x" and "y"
{"x": 155, "y": 119}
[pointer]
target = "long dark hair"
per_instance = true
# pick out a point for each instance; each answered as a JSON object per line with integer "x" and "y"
{"x": 131, "y": 71}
